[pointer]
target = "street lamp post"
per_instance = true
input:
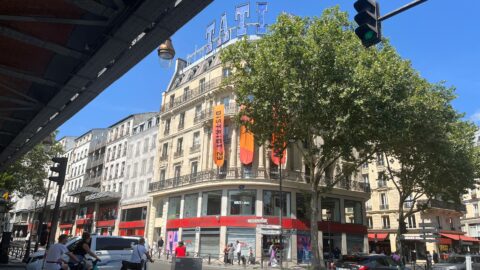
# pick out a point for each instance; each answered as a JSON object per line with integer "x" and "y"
{"x": 281, "y": 208}
{"x": 36, "y": 198}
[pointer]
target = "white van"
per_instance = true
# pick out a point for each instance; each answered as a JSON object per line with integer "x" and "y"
{"x": 110, "y": 249}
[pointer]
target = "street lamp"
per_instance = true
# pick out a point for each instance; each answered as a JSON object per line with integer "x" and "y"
{"x": 36, "y": 198}
{"x": 166, "y": 53}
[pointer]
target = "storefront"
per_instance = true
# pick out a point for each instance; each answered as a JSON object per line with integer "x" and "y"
{"x": 132, "y": 222}
{"x": 84, "y": 220}
{"x": 245, "y": 236}
{"x": 106, "y": 216}
{"x": 209, "y": 242}
{"x": 304, "y": 247}
{"x": 458, "y": 243}
{"x": 379, "y": 242}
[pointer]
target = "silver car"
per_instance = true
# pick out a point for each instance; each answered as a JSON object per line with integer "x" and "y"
{"x": 457, "y": 262}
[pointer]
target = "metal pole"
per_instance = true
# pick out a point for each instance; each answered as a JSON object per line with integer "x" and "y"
{"x": 53, "y": 228}
{"x": 402, "y": 9}
{"x": 281, "y": 209}
{"x": 40, "y": 217}
{"x": 29, "y": 243}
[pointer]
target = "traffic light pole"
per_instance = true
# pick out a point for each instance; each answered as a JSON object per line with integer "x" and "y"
{"x": 402, "y": 9}
{"x": 55, "y": 214}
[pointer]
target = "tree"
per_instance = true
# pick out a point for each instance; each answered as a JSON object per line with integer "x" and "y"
{"x": 26, "y": 175}
{"x": 309, "y": 80}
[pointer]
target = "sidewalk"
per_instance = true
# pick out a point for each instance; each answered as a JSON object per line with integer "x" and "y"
{"x": 13, "y": 264}
{"x": 221, "y": 265}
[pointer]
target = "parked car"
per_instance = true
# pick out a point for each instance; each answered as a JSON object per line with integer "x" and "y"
{"x": 367, "y": 262}
{"x": 110, "y": 249}
{"x": 457, "y": 262}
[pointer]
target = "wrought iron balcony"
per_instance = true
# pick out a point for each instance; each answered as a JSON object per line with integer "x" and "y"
{"x": 195, "y": 148}
{"x": 241, "y": 174}
{"x": 381, "y": 183}
{"x": 178, "y": 154}
{"x": 443, "y": 205}
{"x": 383, "y": 206}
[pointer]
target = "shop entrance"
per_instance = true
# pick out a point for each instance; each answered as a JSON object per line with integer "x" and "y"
{"x": 269, "y": 240}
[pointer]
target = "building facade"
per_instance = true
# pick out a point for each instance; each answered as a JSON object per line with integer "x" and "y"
{"x": 442, "y": 218}
{"x": 141, "y": 153}
{"x": 471, "y": 220}
{"x": 208, "y": 207}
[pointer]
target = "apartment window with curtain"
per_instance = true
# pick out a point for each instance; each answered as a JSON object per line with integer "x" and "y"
{"x": 146, "y": 143}
{"x": 179, "y": 146}
{"x": 380, "y": 159}
{"x": 383, "y": 201}
{"x": 370, "y": 222}
{"x": 181, "y": 120}
{"x": 165, "y": 150}
{"x": 137, "y": 149}
{"x": 144, "y": 167}
{"x": 150, "y": 165}
{"x": 411, "y": 222}
{"x": 167, "y": 126}
{"x": 162, "y": 174}
{"x": 154, "y": 141}
{"x": 132, "y": 189}
{"x": 194, "y": 169}
{"x": 201, "y": 85}
{"x": 177, "y": 171}
{"x": 386, "y": 222}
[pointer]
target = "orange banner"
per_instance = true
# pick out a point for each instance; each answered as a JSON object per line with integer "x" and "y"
{"x": 247, "y": 146}
{"x": 276, "y": 155}
{"x": 217, "y": 135}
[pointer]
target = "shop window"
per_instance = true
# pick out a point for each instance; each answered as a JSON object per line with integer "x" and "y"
{"x": 303, "y": 206}
{"x": 188, "y": 239}
{"x": 246, "y": 237}
{"x": 272, "y": 205}
{"x": 241, "y": 202}
{"x": 331, "y": 209}
{"x": 190, "y": 205}
{"x": 174, "y": 207}
{"x": 133, "y": 214}
{"x": 211, "y": 203}
{"x": 354, "y": 243}
{"x": 353, "y": 211}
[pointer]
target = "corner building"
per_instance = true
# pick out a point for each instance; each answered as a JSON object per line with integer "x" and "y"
{"x": 208, "y": 207}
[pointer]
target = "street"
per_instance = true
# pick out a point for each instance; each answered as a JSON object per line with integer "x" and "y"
{"x": 163, "y": 265}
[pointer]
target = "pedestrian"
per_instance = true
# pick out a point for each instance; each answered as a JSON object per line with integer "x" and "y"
{"x": 273, "y": 255}
{"x": 238, "y": 251}
{"x": 231, "y": 253}
{"x": 435, "y": 257}
{"x": 429, "y": 260}
{"x": 53, "y": 259}
{"x": 83, "y": 248}
{"x": 136, "y": 260}
{"x": 180, "y": 250}
{"x": 396, "y": 257}
{"x": 251, "y": 256}
{"x": 160, "y": 246}
{"x": 225, "y": 255}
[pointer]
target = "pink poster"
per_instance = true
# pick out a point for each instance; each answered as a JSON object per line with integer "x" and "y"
{"x": 172, "y": 240}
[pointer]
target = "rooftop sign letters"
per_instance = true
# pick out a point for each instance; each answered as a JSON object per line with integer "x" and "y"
{"x": 243, "y": 23}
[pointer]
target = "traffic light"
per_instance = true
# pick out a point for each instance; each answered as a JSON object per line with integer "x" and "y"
{"x": 60, "y": 168}
{"x": 369, "y": 27}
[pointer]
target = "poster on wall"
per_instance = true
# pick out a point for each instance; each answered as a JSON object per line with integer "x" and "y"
{"x": 246, "y": 237}
{"x": 172, "y": 240}
{"x": 304, "y": 247}
{"x": 218, "y": 144}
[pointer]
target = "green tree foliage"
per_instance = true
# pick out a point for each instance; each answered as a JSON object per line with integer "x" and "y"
{"x": 27, "y": 174}
{"x": 311, "y": 81}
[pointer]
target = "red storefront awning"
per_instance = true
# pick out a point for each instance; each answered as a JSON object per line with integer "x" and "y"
{"x": 459, "y": 237}
{"x": 377, "y": 236}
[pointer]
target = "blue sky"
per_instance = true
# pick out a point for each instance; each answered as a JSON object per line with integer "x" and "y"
{"x": 439, "y": 37}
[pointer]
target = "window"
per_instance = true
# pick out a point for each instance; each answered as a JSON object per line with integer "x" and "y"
{"x": 119, "y": 152}
{"x": 144, "y": 167}
{"x": 122, "y": 169}
{"x": 124, "y": 149}
{"x": 475, "y": 210}
{"x": 172, "y": 101}
{"x": 162, "y": 175}
{"x": 190, "y": 205}
{"x": 132, "y": 214}
{"x": 439, "y": 223}
{"x": 181, "y": 120}
{"x": 353, "y": 211}
{"x": 186, "y": 93}
{"x": 370, "y": 222}
{"x": 272, "y": 205}
{"x": 386, "y": 222}
{"x": 167, "y": 126}
{"x": 383, "y": 201}
{"x": 165, "y": 151}
{"x": 179, "y": 145}
{"x": 159, "y": 210}
{"x": 127, "y": 175}
{"x": 173, "y": 207}
{"x": 198, "y": 110}
{"x": 196, "y": 139}
{"x": 194, "y": 169}
{"x": 125, "y": 191}
{"x": 303, "y": 206}
{"x": 140, "y": 187}
{"x": 331, "y": 209}
{"x": 365, "y": 178}
{"x": 132, "y": 189}
{"x": 150, "y": 165}
{"x": 382, "y": 182}
{"x": 114, "y": 243}
{"x": 211, "y": 203}
{"x": 241, "y": 202}
{"x": 177, "y": 171}
{"x": 154, "y": 141}
{"x": 135, "y": 170}
{"x": 201, "y": 85}
{"x": 116, "y": 171}
{"x": 380, "y": 160}
{"x": 149, "y": 124}
{"x": 146, "y": 143}
{"x": 226, "y": 72}
{"x": 411, "y": 222}
{"x": 113, "y": 152}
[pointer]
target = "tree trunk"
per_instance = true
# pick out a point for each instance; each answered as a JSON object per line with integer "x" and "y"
{"x": 401, "y": 229}
{"x": 316, "y": 263}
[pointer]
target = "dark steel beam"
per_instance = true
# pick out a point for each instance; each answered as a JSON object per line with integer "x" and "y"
{"x": 17, "y": 109}
{"x": 94, "y": 7}
{"x": 53, "y": 20}
{"x": 7, "y": 133}
{"x": 14, "y": 34}
{"x": 16, "y": 92}
{"x": 16, "y": 100}
{"x": 8, "y": 71}
{"x": 11, "y": 119}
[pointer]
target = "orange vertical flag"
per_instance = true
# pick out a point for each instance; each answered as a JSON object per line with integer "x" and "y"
{"x": 247, "y": 146}
{"x": 217, "y": 135}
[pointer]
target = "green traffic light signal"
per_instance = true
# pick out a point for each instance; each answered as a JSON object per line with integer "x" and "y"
{"x": 369, "y": 28}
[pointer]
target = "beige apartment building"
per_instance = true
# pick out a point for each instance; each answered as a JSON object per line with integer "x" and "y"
{"x": 443, "y": 218}
{"x": 471, "y": 220}
{"x": 209, "y": 207}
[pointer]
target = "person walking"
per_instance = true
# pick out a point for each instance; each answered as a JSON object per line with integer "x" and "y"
{"x": 53, "y": 259}
{"x": 225, "y": 255}
{"x": 238, "y": 251}
{"x": 160, "y": 246}
{"x": 231, "y": 253}
{"x": 435, "y": 257}
{"x": 136, "y": 260}
{"x": 180, "y": 250}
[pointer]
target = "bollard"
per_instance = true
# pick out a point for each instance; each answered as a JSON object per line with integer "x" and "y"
{"x": 209, "y": 258}
{"x": 468, "y": 262}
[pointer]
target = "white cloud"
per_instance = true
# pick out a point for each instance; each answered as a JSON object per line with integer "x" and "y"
{"x": 475, "y": 117}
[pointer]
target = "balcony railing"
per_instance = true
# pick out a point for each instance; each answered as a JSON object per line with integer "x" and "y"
{"x": 195, "y": 148}
{"x": 381, "y": 183}
{"x": 192, "y": 94}
{"x": 368, "y": 208}
{"x": 443, "y": 205}
{"x": 178, "y": 154}
{"x": 230, "y": 110}
{"x": 257, "y": 174}
{"x": 383, "y": 206}
{"x": 407, "y": 205}
{"x": 164, "y": 158}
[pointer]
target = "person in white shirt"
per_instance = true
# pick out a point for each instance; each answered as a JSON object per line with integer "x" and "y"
{"x": 53, "y": 260}
{"x": 136, "y": 260}
{"x": 238, "y": 250}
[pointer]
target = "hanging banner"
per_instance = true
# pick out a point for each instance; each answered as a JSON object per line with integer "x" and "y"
{"x": 217, "y": 135}
{"x": 247, "y": 146}
{"x": 276, "y": 155}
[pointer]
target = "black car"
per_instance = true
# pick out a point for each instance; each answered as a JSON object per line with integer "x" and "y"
{"x": 367, "y": 262}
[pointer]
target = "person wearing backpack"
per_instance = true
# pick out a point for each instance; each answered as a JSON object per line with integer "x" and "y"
{"x": 136, "y": 261}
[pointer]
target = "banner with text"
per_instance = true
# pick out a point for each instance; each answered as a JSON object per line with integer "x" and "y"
{"x": 217, "y": 134}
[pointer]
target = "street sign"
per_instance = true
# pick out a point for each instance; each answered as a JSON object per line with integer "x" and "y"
{"x": 270, "y": 232}
{"x": 257, "y": 220}
{"x": 271, "y": 227}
